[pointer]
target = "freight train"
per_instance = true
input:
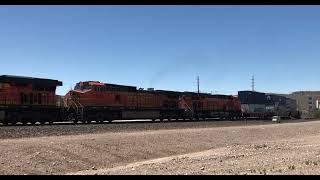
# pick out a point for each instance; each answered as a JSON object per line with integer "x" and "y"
{"x": 263, "y": 105}
{"x": 29, "y": 100}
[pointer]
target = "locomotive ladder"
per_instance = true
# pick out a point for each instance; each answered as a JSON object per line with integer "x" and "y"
{"x": 79, "y": 110}
{"x": 188, "y": 108}
{"x": 78, "y": 107}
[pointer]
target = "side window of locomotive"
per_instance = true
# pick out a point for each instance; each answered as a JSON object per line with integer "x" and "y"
{"x": 77, "y": 87}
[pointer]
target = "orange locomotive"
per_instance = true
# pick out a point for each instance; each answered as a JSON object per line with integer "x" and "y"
{"x": 24, "y": 99}
{"x": 213, "y": 106}
{"x": 95, "y": 101}
{"x": 31, "y": 100}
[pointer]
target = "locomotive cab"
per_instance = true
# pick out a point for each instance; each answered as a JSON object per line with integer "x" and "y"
{"x": 90, "y": 85}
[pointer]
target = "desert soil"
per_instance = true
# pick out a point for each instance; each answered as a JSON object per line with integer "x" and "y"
{"x": 163, "y": 148}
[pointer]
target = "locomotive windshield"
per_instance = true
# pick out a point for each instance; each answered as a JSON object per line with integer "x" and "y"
{"x": 82, "y": 87}
{"x": 95, "y": 86}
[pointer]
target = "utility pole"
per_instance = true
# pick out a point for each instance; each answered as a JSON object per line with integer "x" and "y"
{"x": 252, "y": 82}
{"x": 198, "y": 84}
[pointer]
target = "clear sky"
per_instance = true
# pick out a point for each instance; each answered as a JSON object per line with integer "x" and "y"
{"x": 165, "y": 47}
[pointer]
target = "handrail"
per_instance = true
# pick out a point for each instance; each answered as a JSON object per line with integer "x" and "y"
{"x": 188, "y": 107}
{"x": 77, "y": 106}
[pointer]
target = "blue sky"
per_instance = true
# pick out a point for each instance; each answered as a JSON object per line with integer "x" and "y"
{"x": 165, "y": 47}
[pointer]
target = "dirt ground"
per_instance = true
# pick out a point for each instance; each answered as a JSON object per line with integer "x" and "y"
{"x": 232, "y": 148}
{"x": 299, "y": 156}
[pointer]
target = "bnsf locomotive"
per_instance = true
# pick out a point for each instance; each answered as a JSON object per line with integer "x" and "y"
{"x": 25, "y": 100}
{"x": 95, "y": 101}
{"x": 31, "y": 100}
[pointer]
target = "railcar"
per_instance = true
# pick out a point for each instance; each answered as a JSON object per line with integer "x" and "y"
{"x": 258, "y": 105}
{"x": 95, "y": 101}
{"x": 205, "y": 106}
{"x": 28, "y": 100}
{"x": 31, "y": 100}
{"x": 281, "y": 106}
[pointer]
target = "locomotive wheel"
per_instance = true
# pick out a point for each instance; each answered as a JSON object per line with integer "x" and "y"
{"x": 100, "y": 117}
{"x": 74, "y": 121}
{"x": 99, "y": 121}
{"x": 14, "y": 120}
